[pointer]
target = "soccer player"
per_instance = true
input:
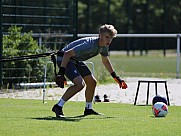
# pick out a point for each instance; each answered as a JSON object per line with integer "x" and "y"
{"x": 70, "y": 61}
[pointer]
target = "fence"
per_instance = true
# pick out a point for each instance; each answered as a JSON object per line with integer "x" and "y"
{"x": 14, "y": 77}
{"x": 38, "y": 16}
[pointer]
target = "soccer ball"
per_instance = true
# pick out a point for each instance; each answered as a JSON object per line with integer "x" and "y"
{"x": 160, "y": 109}
{"x": 159, "y": 98}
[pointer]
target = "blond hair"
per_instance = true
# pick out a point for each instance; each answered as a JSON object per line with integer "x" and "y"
{"x": 108, "y": 29}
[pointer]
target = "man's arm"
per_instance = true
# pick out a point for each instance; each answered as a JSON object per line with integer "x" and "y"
{"x": 66, "y": 57}
{"x": 107, "y": 64}
{"x": 60, "y": 78}
{"x": 109, "y": 67}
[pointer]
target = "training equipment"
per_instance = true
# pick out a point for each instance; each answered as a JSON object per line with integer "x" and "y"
{"x": 160, "y": 109}
{"x": 97, "y": 98}
{"x": 159, "y": 98}
{"x": 15, "y": 58}
{"x": 106, "y": 99}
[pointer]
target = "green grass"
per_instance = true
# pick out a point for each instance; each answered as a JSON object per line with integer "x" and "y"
{"x": 138, "y": 66}
{"x": 33, "y": 118}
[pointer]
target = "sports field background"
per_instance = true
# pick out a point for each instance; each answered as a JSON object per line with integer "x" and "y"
{"x": 152, "y": 65}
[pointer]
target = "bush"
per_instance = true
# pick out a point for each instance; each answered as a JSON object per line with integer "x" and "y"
{"x": 18, "y": 44}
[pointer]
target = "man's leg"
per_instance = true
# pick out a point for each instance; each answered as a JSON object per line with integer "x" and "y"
{"x": 72, "y": 90}
{"x": 73, "y": 74}
{"x": 90, "y": 82}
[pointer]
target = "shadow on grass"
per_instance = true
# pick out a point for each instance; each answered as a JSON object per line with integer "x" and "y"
{"x": 73, "y": 119}
{"x": 152, "y": 116}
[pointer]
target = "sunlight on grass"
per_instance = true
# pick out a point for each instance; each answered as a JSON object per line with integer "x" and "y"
{"x": 31, "y": 117}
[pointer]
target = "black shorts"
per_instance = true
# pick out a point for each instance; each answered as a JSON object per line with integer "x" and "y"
{"x": 76, "y": 69}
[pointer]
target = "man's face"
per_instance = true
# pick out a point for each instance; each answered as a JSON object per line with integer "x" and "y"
{"x": 105, "y": 39}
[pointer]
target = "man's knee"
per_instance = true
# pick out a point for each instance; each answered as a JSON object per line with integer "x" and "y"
{"x": 80, "y": 86}
{"x": 91, "y": 81}
{"x": 94, "y": 82}
{"x": 79, "y": 83}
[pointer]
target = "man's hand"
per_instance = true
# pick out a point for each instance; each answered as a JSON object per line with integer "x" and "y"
{"x": 60, "y": 78}
{"x": 121, "y": 83}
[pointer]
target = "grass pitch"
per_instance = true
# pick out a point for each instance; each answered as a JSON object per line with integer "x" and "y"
{"x": 32, "y": 118}
{"x": 147, "y": 66}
